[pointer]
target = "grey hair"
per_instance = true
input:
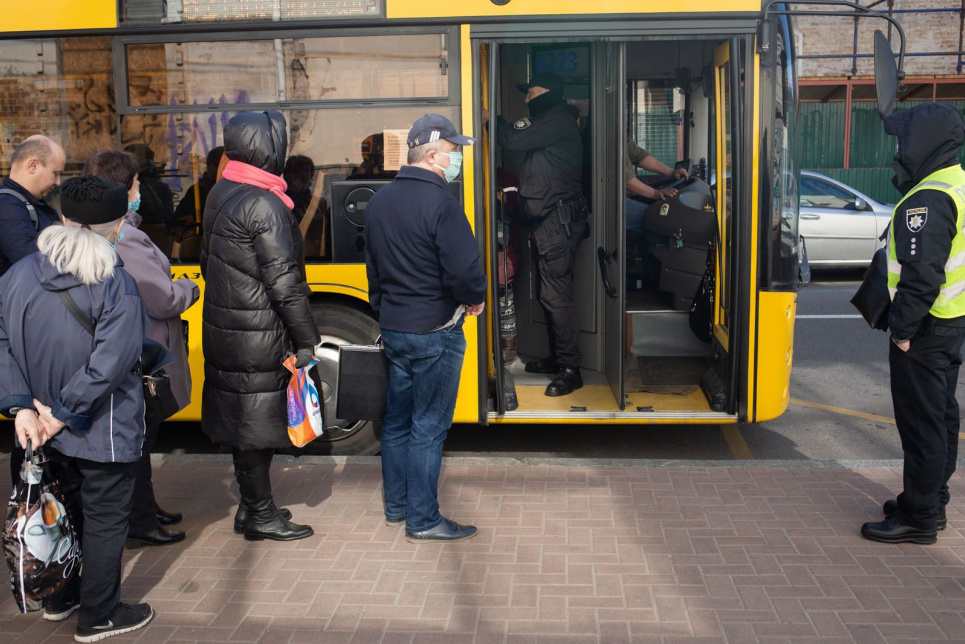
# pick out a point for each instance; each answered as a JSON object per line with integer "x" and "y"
{"x": 84, "y": 253}
{"x": 419, "y": 152}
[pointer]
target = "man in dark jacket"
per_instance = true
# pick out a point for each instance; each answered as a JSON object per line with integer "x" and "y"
{"x": 424, "y": 274}
{"x": 926, "y": 276}
{"x": 35, "y": 169}
{"x": 255, "y": 315}
{"x": 550, "y": 187}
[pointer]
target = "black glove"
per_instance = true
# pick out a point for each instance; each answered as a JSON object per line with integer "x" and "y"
{"x": 304, "y": 357}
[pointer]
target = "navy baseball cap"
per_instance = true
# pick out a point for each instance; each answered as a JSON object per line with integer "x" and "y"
{"x": 433, "y": 127}
{"x": 551, "y": 82}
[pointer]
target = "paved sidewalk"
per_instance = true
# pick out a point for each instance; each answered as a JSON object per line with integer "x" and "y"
{"x": 634, "y": 552}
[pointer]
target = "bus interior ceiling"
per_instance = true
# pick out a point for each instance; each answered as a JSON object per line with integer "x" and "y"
{"x": 668, "y": 104}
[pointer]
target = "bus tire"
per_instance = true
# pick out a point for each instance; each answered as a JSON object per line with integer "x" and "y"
{"x": 341, "y": 324}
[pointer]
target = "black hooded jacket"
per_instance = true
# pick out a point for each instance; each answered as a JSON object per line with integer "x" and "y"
{"x": 553, "y": 168}
{"x": 930, "y": 138}
{"x": 256, "y": 312}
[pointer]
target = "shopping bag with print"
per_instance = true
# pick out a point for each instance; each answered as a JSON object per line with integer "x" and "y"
{"x": 305, "y": 422}
{"x": 39, "y": 541}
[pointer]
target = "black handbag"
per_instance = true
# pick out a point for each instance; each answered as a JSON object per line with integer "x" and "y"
{"x": 159, "y": 401}
{"x": 872, "y": 299}
{"x": 363, "y": 382}
{"x": 702, "y": 310}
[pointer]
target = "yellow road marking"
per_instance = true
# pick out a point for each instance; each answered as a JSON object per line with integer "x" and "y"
{"x": 736, "y": 443}
{"x": 842, "y": 410}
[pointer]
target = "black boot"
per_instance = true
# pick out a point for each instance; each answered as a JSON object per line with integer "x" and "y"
{"x": 241, "y": 516}
{"x": 264, "y": 519}
{"x": 543, "y": 365}
{"x": 568, "y": 381}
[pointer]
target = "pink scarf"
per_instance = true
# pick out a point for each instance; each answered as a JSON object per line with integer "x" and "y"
{"x": 243, "y": 173}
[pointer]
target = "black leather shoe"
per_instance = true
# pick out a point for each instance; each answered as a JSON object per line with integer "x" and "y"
{"x": 894, "y": 531}
{"x": 568, "y": 381}
{"x": 159, "y": 537}
{"x": 168, "y": 518}
{"x": 241, "y": 517}
{"x": 544, "y": 365}
{"x": 446, "y": 531}
{"x": 891, "y": 509}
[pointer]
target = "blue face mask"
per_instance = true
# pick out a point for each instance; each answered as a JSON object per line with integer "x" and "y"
{"x": 455, "y": 166}
{"x": 134, "y": 205}
{"x": 120, "y": 234}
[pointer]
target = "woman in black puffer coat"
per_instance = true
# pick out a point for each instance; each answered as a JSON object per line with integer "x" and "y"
{"x": 256, "y": 313}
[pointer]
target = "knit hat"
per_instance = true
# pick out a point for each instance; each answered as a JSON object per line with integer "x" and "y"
{"x": 91, "y": 200}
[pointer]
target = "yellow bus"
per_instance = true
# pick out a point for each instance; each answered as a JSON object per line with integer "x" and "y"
{"x": 694, "y": 81}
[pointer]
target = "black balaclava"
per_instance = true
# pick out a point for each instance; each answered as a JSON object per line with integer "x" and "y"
{"x": 544, "y": 102}
{"x": 930, "y": 137}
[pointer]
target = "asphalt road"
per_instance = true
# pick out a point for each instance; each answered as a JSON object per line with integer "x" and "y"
{"x": 840, "y": 410}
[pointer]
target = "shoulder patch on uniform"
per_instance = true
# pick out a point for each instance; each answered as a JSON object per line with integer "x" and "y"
{"x": 522, "y": 124}
{"x": 915, "y": 218}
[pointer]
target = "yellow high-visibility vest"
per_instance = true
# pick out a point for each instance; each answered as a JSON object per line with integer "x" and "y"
{"x": 951, "y": 299}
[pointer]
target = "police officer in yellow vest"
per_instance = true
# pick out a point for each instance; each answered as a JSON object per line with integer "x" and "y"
{"x": 926, "y": 277}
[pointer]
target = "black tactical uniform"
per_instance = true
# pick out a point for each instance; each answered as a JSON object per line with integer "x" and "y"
{"x": 550, "y": 187}
{"x": 924, "y": 378}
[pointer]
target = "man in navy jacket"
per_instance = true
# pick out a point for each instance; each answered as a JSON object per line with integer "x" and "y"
{"x": 34, "y": 171}
{"x": 424, "y": 276}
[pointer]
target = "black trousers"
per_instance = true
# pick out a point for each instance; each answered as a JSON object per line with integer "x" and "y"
{"x": 923, "y": 382}
{"x": 98, "y": 498}
{"x": 556, "y": 252}
{"x": 144, "y": 506}
{"x": 17, "y": 455}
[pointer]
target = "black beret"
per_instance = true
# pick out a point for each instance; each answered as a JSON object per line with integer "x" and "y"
{"x": 92, "y": 200}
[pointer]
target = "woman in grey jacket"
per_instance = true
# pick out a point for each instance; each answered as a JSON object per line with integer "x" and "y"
{"x": 82, "y": 393}
{"x": 165, "y": 301}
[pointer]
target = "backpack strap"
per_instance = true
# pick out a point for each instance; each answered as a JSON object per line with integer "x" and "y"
{"x": 76, "y": 312}
{"x": 26, "y": 202}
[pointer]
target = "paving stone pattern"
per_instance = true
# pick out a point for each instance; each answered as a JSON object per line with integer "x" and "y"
{"x": 564, "y": 555}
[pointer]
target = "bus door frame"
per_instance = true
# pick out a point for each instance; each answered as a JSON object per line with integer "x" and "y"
{"x": 609, "y": 139}
{"x": 733, "y": 64}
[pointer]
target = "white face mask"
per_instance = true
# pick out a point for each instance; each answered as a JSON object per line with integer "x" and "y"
{"x": 451, "y": 171}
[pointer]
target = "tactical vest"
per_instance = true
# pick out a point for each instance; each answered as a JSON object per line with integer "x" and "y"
{"x": 951, "y": 299}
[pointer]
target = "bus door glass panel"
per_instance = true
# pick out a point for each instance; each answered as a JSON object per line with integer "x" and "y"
{"x": 725, "y": 180}
{"x": 613, "y": 204}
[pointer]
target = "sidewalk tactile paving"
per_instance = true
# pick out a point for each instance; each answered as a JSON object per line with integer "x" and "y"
{"x": 732, "y": 554}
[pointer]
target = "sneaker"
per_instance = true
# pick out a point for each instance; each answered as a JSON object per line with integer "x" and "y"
{"x": 59, "y": 611}
{"x": 124, "y": 619}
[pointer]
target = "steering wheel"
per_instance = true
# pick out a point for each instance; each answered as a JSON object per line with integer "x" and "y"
{"x": 680, "y": 182}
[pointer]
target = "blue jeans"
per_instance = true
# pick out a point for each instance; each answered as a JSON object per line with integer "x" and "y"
{"x": 635, "y": 211}
{"x": 424, "y": 373}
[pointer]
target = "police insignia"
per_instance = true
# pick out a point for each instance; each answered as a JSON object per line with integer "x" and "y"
{"x": 915, "y": 218}
{"x": 664, "y": 209}
{"x": 522, "y": 124}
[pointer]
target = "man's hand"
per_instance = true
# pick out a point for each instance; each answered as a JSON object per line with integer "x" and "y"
{"x": 904, "y": 345}
{"x": 304, "y": 357}
{"x": 665, "y": 193}
{"x": 485, "y": 116}
{"x": 475, "y": 309}
{"x": 681, "y": 172}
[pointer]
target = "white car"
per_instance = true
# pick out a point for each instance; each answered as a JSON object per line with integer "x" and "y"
{"x": 840, "y": 225}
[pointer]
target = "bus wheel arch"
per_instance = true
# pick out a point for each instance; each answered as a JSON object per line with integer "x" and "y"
{"x": 342, "y": 320}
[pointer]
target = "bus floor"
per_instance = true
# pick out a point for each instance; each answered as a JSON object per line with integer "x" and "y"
{"x": 596, "y": 395}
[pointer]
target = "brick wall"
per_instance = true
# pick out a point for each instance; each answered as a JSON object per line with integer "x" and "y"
{"x": 924, "y": 32}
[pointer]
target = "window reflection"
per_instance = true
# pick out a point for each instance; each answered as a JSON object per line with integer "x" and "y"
{"x": 292, "y": 69}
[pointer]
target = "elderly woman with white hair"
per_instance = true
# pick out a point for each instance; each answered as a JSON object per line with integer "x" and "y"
{"x": 80, "y": 394}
